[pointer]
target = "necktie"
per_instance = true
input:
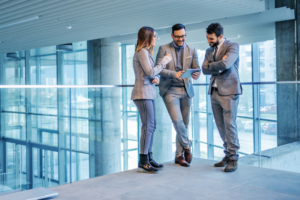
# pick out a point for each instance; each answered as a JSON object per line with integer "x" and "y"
{"x": 215, "y": 53}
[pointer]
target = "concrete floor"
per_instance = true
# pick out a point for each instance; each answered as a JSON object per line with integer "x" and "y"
{"x": 200, "y": 181}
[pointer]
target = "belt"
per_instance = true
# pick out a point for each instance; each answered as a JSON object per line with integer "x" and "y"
{"x": 214, "y": 89}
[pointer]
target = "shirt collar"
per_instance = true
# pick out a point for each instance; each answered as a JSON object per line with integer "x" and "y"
{"x": 222, "y": 41}
{"x": 177, "y": 47}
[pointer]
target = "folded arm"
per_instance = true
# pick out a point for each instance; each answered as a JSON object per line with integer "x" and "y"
{"x": 205, "y": 68}
{"x": 232, "y": 55}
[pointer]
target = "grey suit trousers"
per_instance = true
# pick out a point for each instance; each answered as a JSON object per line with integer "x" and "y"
{"x": 225, "y": 112}
{"x": 146, "y": 109}
{"x": 178, "y": 104}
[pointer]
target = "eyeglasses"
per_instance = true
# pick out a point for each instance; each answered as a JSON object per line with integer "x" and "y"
{"x": 178, "y": 37}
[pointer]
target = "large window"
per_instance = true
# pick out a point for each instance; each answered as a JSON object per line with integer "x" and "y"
{"x": 67, "y": 127}
{"x": 41, "y": 117}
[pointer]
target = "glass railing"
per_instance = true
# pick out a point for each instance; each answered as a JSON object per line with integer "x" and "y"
{"x": 54, "y": 135}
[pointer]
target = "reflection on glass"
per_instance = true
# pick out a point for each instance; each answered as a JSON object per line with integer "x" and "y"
{"x": 245, "y": 107}
{"x": 14, "y": 178}
{"x": 74, "y": 67}
{"x": 203, "y": 151}
{"x": 268, "y": 101}
{"x": 201, "y": 56}
{"x": 245, "y": 65}
{"x": 132, "y": 159}
{"x": 13, "y": 100}
{"x": 268, "y": 134}
{"x": 13, "y": 74}
{"x": 245, "y": 133}
{"x": 80, "y": 134}
{"x": 13, "y": 125}
{"x": 44, "y": 129}
{"x": 43, "y": 100}
{"x": 130, "y": 50}
{"x": 203, "y": 127}
{"x": 267, "y": 60}
{"x": 14, "y": 69}
{"x": 43, "y": 66}
{"x": 218, "y": 153}
{"x": 43, "y": 69}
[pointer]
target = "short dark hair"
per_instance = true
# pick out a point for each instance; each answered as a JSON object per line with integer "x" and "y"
{"x": 215, "y": 28}
{"x": 177, "y": 27}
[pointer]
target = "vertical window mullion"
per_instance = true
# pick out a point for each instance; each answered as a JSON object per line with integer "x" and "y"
{"x": 210, "y": 124}
{"x": 256, "y": 100}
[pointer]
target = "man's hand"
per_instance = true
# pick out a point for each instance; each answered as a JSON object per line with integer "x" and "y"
{"x": 224, "y": 57}
{"x": 195, "y": 75}
{"x": 178, "y": 74}
{"x": 156, "y": 81}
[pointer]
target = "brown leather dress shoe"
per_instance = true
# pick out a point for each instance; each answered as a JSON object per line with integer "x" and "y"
{"x": 232, "y": 166}
{"x": 188, "y": 155}
{"x": 223, "y": 162}
{"x": 181, "y": 161}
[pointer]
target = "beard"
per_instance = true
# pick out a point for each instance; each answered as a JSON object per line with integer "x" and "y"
{"x": 214, "y": 44}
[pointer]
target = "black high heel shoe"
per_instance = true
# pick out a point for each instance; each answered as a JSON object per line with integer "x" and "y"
{"x": 145, "y": 166}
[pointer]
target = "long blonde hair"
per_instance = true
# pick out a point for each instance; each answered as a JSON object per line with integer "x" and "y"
{"x": 145, "y": 37}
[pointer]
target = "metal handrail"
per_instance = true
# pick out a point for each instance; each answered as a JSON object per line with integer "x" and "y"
{"x": 112, "y": 86}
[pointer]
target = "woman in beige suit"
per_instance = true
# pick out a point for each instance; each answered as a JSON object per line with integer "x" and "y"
{"x": 144, "y": 93}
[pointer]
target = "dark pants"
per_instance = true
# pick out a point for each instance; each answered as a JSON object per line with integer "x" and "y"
{"x": 146, "y": 109}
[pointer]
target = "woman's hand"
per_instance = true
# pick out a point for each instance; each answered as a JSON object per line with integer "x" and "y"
{"x": 167, "y": 58}
{"x": 155, "y": 80}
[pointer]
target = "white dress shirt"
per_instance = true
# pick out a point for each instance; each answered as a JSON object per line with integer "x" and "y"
{"x": 218, "y": 50}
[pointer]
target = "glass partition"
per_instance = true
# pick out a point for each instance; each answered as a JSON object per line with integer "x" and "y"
{"x": 62, "y": 136}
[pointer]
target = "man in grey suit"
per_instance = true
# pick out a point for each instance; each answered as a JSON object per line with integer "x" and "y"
{"x": 177, "y": 92}
{"x": 222, "y": 62}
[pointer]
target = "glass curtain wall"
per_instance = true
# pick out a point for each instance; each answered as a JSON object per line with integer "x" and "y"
{"x": 37, "y": 116}
{"x": 60, "y": 124}
{"x": 130, "y": 120}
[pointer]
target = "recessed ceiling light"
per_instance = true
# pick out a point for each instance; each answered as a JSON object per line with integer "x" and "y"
{"x": 69, "y": 25}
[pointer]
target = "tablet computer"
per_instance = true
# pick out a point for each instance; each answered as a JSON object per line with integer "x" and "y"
{"x": 188, "y": 73}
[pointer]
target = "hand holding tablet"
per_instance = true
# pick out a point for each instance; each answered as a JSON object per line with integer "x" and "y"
{"x": 188, "y": 73}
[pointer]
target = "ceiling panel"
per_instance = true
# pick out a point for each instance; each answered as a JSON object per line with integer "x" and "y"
{"x": 244, "y": 29}
{"x": 92, "y": 19}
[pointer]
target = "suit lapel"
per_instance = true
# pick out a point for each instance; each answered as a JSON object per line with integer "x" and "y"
{"x": 184, "y": 56}
{"x": 173, "y": 54}
{"x": 211, "y": 54}
{"x": 222, "y": 51}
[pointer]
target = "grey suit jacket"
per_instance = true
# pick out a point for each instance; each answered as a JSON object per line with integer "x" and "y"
{"x": 145, "y": 71}
{"x": 190, "y": 60}
{"x": 228, "y": 81}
